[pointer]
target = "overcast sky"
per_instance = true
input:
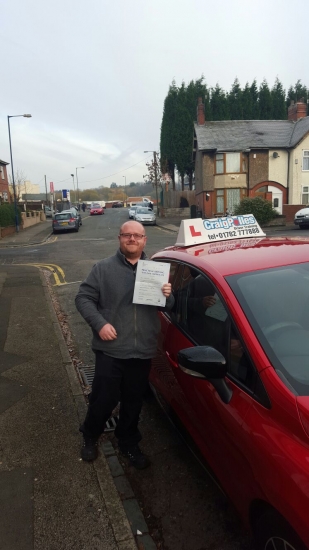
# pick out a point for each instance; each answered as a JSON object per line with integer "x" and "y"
{"x": 94, "y": 74}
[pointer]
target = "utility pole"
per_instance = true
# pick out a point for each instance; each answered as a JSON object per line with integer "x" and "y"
{"x": 45, "y": 189}
{"x": 156, "y": 179}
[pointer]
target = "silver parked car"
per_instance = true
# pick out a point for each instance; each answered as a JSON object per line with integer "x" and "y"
{"x": 302, "y": 218}
{"x": 48, "y": 212}
{"x": 66, "y": 220}
{"x": 132, "y": 211}
{"x": 145, "y": 216}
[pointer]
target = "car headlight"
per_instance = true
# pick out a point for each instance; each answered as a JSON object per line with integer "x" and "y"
{"x": 138, "y": 218}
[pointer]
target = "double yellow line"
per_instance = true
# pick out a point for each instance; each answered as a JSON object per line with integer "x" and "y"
{"x": 57, "y": 272}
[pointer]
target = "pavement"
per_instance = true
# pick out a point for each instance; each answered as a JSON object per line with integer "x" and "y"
{"x": 49, "y": 498}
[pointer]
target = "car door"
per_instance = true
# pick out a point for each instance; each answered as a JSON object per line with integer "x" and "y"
{"x": 216, "y": 427}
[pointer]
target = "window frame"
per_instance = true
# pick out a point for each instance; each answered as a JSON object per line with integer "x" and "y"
{"x": 304, "y": 193}
{"x": 305, "y": 156}
{"x": 243, "y": 162}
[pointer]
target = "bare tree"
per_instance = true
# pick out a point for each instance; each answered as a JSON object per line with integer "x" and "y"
{"x": 20, "y": 184}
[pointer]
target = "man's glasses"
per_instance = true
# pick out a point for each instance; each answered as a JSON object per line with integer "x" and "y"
{"x": 136, "y": 236}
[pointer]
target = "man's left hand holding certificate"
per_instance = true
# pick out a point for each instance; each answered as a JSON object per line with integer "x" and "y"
{"x": 150, "y": 277}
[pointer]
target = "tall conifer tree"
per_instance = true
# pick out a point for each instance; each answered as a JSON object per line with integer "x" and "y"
{"x": 183, "y": 135}
{"x": 218, "y": 104}
{"x": 278, "y": 101}
{"x": 167, "y": 139}
{"x": 235, "y": 101}
{"x": 255, "y": 101}
{"x": 247, "y": 107}
{"x": 265, "y": 104}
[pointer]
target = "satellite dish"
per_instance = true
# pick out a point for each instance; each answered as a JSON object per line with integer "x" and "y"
{"x": 275, "y": 155}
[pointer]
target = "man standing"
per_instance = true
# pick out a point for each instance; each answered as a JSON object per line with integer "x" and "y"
{"x": 124, "y": 342}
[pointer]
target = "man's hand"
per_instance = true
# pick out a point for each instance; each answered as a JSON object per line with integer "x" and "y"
{"x": 108, "y": 332}
{"x": 167, "y": 289}
{"x": 208, "y": 301}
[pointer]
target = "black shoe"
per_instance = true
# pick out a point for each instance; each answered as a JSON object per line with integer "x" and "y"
{"x": 89, "y": 450}
{"x": 136, "y": 457}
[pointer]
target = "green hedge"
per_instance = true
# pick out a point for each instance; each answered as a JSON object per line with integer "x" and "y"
{"x": 261, "y": 209}
{"x": 7, "y": 214}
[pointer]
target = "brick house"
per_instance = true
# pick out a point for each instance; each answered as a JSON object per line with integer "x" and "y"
{"x": 240, "y": 158}
{"x": 4, "y": 184}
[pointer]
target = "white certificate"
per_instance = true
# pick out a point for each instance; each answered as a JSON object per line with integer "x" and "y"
{"x": 150, "y": 277}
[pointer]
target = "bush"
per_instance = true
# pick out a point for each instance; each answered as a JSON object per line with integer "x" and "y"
{"x": 261, "y": 209}
{"x": 7, "y": 214}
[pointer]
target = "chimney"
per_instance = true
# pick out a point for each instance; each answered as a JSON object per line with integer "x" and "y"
{"x": 200, "y": 112}
{"x": 297, "y": 110}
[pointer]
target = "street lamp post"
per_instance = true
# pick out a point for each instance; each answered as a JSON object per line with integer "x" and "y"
{"x": 77, "y": 182}
{"x": 73, "y": 186}
{"x": 125, "y": 188}
{"x": 156, "y": 175}
{"x": 13, "y": 179}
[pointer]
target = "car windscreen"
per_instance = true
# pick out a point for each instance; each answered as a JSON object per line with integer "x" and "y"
{"x": 96, "y": 206}
{"x": 142, "y": 211}
{"x": 276, "y": 303}
{"x": 64, "y": 216}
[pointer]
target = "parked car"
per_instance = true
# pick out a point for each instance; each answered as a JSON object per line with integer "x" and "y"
{"x": 67, "y": 220}
{"x": 118, "y": 204}
{"x": 233, "y": 366}
{"x": 145, "y": 215}
{"x": 77, "y": 212}
{"x": 48, "y": 212}
{"x": 96, "y": 209}
{"x": 302, "y": 218}
{"x": 132, "y": 211}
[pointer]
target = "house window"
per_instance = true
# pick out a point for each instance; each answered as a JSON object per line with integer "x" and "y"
{"x": 306, "y": 160}
{"x": 227, "y": 199}
{"x": 231, "y": 163}
{"x": 220, "y": 201}
{"x": 220, "y": 163}
{"x": 2, "y": 172}
{"x": 305, "y": 195}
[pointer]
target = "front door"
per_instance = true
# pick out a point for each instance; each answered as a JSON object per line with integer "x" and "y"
{"x": 276, "y": 198}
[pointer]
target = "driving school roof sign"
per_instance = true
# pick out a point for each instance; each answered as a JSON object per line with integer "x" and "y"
{"x": 198, "y": 231}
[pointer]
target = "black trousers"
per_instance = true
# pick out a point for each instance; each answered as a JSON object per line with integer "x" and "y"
{"x": 115, "y": 380}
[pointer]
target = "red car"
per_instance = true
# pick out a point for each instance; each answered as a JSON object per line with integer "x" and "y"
{"x": 96, "y": 209}
{"x": 233, "y": 366}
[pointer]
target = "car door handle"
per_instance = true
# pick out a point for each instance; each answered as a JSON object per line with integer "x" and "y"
{"x": 172, "y": 362}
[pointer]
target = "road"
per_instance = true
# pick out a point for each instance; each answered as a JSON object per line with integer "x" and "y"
{"x": 183, "y": 507}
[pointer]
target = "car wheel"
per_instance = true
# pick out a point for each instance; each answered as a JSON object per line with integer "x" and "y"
{"x": 272, "y": 532}
{"x": 303, "y": 227}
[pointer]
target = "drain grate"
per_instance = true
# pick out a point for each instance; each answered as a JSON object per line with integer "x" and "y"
{"x": 87, "y": 374}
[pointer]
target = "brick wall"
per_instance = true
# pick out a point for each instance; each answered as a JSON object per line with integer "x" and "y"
{"x": 258, "y": 167}
{"x": 289, "y": 211}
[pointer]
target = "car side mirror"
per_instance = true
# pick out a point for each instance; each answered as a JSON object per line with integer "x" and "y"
{"x": 207, "y": 363}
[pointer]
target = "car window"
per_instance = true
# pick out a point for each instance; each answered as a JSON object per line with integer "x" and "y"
{"x": 275, "y": 302}
{"x": 201, "y": 314}
{"x": 142, "y": 210}
{"x": 96, "y": 205}
{"x": 63, "y": 216}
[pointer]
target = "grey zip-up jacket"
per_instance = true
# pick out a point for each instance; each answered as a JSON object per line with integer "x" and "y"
{"x": 106, "y": 297}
